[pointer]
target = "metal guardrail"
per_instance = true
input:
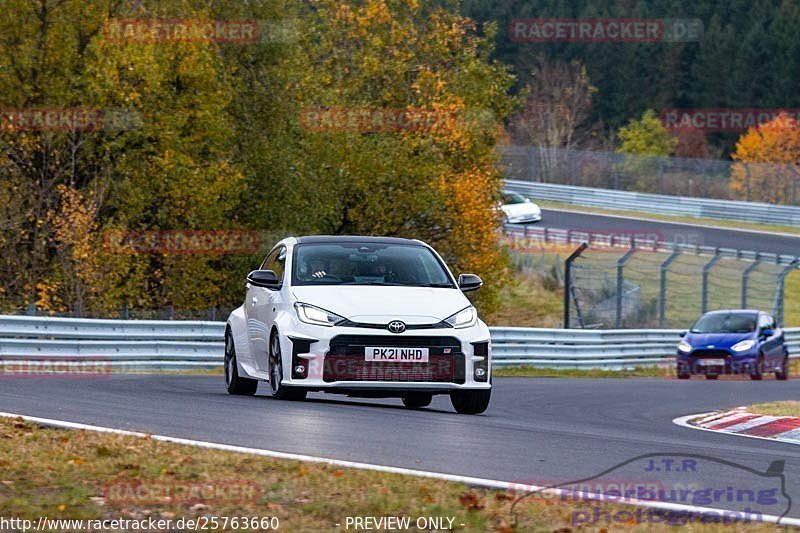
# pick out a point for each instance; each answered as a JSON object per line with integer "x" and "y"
{"x": 658, "y": 203}
{"x": 180, "y": 345}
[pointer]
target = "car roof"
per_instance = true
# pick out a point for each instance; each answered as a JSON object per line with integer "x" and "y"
{"x": 319, "y": 239}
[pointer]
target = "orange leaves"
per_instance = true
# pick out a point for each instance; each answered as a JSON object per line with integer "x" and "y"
{"x": 776, "y": 144}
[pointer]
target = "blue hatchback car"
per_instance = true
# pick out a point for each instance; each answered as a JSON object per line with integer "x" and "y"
{"x": 738, "y": 341}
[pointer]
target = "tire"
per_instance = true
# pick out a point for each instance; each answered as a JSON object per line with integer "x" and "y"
{"x": 470, "y": 402}
{"x": 683, "y": 371}
{"x": 782, "y": 374}
{"x": 757, "y": 373}
{"x": 235, "y": 383}
{"x": 417, "y": 400}
{"x": 712, "y": 376}
{"x": 277, "y": 388}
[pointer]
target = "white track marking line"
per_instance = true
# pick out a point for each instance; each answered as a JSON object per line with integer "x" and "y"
{"x": 487, "y": 483}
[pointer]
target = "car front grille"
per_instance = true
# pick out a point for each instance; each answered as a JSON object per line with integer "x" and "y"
{"x": 345, "y": 360}
{"x": 707, "y": 353}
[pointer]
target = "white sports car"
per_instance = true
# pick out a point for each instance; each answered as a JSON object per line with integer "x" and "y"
{"x": 363, "y": 316}
{"x": 517, "y": 209}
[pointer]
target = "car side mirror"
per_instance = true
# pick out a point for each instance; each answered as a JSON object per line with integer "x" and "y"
{"x": 682, "y": 334}
{"x": 263, "y": 278}
{"x": 469, "y": 282}
{"x": 767, "y": 333}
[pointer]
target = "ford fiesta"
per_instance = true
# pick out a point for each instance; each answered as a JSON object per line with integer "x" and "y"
{"x": 363, "y": 316}
{"x": 736, "y": 341}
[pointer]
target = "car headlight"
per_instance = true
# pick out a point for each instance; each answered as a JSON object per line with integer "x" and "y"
{"x": 463, "y": 319}
{"x": 684, "y": 347}
{"x": 316, "y": 316}
{"x": 743, "y": 345}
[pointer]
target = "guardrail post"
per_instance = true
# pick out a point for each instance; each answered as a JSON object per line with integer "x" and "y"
{"x": 746, "y": 277}
{"x": 706, "y": 269}
{"x": 621, "y": 280}
{"x": 662, "y": 290}
{"x": 568, "y": 281}
{"x": 779, "y": 292}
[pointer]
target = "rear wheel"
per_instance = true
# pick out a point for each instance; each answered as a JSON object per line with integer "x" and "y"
{"x": 782, "y": 372}
{"x": 417, "y": 400}
{"x": 470, "y": 402}
{"x": 277, "y": 388}
{"x": 236, "y": 384}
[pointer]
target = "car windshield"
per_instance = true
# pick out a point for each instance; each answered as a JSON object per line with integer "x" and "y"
{"x": 725, "y": 323}
{"x": 513, "y": 199}
{"x": 368, "y": 263}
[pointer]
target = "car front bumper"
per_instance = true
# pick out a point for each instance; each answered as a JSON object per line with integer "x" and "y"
{"x": 733, "y": 363}
{"x": 333, "y": 359}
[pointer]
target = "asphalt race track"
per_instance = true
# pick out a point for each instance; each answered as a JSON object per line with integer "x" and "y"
{"x": 536, "y": 431}
{"x": 672, "y": 232}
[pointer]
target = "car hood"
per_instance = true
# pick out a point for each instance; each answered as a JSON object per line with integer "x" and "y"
{"x": 379, "y": 305}
{"x": 520, "y": 209}
{"x": 718, "y": 340}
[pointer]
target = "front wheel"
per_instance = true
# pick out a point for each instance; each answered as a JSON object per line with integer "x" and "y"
{"x": 235, "y": 383}
{"x": 757, "y": 372}
{"x": 782, "y": 372}
{"x": 277, "y": 388}
{"x": 470, "y": 402}
{"x": 417, "y": 400}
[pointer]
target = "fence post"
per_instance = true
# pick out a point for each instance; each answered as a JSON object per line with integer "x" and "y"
{"x": 621, "y": 280}
{"x": 746, "y": 277}
{"x": 706, "y": 269}
{"x": 747, "y": 182}
{"x": 777, "y": 307}
{"x": 662, "y": 290}
{"x": 568, "y": 280}
{"x": 660, "y": 175}
{"x": 533, "y": 163}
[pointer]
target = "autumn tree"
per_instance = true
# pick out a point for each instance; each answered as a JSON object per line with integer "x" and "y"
{"x": 768, "y": 162}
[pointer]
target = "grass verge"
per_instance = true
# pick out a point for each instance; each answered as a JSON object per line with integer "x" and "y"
{"x": 787, "y": 408}
{"x": 537, "y": 372}
{"x": 61, "y": 474}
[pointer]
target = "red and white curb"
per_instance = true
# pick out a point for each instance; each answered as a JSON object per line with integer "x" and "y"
{"x": 745, "y": 424}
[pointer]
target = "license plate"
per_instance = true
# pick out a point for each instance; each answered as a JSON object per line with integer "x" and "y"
{"x": 711, "y": 362}
{"x": 411, "y": 355}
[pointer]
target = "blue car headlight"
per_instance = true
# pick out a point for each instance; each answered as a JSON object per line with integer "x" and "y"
{"x": 684, "y": 347}
{"x": 743, "y": 345}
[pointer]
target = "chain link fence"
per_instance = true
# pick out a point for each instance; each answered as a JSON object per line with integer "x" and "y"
{"x": 676, "y": 176}
{"x": 616, "y": 282}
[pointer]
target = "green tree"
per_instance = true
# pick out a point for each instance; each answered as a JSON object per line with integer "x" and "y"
{"x": 646, "y": 136}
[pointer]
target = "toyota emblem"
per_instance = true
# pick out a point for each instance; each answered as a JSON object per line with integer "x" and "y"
{"x": 395, "y": 326}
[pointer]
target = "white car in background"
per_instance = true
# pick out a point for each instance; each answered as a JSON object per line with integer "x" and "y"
{"x": 518, "y": 209}
{"x": 363, "y": 316}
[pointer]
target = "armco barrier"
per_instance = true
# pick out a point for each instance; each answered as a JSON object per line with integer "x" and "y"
{"x": 658, "y": 203}
{"x": 183, "y": 345}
